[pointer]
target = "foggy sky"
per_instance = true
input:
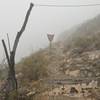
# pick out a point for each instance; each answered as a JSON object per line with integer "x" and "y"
{"x": 42, "y": 20}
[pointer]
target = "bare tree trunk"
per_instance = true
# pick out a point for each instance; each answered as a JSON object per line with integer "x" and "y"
{"x": 12, "y": 81}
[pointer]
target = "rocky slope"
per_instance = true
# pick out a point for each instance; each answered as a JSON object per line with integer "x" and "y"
{"x": 78, "y": 50}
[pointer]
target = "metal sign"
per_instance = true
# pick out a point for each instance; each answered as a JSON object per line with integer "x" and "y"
{"x": 50, "y": 37}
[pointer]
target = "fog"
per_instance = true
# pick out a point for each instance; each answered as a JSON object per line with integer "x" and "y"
{"x": 42, "y": 20}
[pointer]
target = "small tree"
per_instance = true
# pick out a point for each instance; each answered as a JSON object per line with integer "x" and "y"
{"x": 12, "y": 81}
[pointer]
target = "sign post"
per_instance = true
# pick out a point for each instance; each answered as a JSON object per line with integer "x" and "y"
{"x": 50, "y": 38}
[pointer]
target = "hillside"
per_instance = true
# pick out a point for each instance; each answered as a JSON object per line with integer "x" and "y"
{"x": 79, "y": 50}
{"x": 89, "y": 27}
{"x": 77, "y": 54}
{"x": 81, "y": 47}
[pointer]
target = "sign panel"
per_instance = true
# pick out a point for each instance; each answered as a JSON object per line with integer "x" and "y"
{"x": 50, "y": 37}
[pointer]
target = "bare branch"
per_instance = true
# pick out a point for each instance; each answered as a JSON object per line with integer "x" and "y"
{"x": 22, "y": 29}
{"x": 9, "y": 43}
{"x": 6, "y": 52}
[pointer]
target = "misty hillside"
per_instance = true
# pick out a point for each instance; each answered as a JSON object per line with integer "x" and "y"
{"x": 77, "y": 54}
{"x": 88, "y": 27}
{"x": 81, "y": 46}
{"x": 80, "y": 50}
{"x": 88, "y": 31}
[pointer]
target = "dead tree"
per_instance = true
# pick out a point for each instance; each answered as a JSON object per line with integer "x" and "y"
{"x": 12, "y": 81}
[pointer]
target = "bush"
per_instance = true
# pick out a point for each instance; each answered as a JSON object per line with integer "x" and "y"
{"x": 34, "y": 67}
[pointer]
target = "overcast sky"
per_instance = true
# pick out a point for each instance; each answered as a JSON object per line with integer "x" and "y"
{"x": 43, "y": 20}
